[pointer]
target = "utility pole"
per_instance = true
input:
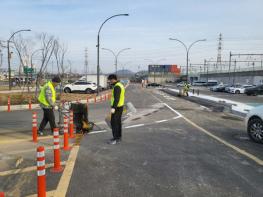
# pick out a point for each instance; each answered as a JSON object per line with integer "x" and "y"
{"x": 86, "y": 64}
{"x": 219, "y": 51}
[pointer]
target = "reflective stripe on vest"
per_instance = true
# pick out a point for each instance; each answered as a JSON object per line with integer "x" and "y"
{"x": 42, "y": 95}
{"x": 122, "y": 96}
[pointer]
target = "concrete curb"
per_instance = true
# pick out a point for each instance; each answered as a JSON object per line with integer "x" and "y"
{"x": 215, "y": 106}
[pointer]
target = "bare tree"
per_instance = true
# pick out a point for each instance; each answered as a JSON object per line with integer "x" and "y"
{"x": 47, "y": 43}
{"x": 59, "y": 54}
{"x": 22, "y": 47}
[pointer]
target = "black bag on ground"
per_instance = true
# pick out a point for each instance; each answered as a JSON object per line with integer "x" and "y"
{"x": 80, "y": 112}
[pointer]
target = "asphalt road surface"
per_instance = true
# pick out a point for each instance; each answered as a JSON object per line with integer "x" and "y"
{"x": 171, "y": 147}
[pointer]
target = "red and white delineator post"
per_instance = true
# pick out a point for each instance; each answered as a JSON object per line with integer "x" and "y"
{"x": 66, "y": 143}
{"x": 34, "y": 126}
{"x": 41, "y": 172}
{"x": 57, "y": 167}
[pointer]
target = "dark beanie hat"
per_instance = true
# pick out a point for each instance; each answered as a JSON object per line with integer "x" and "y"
{"x": 56, "y": 79}
{"x": 112, "y": 76}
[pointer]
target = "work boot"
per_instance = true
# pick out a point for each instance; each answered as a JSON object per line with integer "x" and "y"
{"x": 112, "y": 141}
{"x": 40, "y": 133}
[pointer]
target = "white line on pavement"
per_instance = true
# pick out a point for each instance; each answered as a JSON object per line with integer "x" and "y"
{"x": 132, "y": 126}
{"x": 94, "y": 132}
{"x": 159, "y": 121}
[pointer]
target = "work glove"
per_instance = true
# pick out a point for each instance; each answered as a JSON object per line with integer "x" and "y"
{"x": 112, "y": 110}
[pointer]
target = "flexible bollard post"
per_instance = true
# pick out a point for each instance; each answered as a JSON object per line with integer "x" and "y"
{"x": 71, "y": 124}
{"x": 57, "y": 167}
{"x": 30, "y": 104}
{"x": 193, "y": 91}
{"x": 41, "y": 172}
{"x": 2, "y": 194}
{"x": 95, "y": 99}
{"x": 105, "y": 97}
{"x": 198, "y": 92}
{"x": 66, "y": 146}
{"x": 8, "y": 104}
{"x": 34, "y": 127}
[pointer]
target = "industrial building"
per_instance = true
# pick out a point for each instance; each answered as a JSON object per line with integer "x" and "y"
{"x": 163, "y": 73}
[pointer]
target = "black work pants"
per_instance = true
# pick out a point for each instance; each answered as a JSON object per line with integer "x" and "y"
{"x": 116, "y": 123}
{"x": 48, "y": 116}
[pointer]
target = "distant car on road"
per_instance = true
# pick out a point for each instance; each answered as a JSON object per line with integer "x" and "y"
{"x": 239, "y": 90}
{"x": 257, "y": 90}
{"x": 81, "y": 86}
{"x": 211, "y": 83}
{"x": 219, "y": 88}
{"x": 254, "y": 124}
{"x": 153, "y": 85}
{"x": 181, "y": 84}
{"x": 199, "y": 83}
{"x": 227, "y": 88}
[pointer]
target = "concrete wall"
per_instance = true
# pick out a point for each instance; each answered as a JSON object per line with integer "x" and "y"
{"x": 251, "y": 77}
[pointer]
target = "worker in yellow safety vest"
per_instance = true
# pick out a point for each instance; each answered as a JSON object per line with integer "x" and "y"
{"x": 47, "y": 100}
{"x": 117, "y": 103}
{"x": 186, "y": 88}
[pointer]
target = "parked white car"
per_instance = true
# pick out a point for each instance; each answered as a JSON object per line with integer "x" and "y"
{"x": 239, "y": 89}
{"x": 254, "y": 124}
{"x": 81, "y": 86}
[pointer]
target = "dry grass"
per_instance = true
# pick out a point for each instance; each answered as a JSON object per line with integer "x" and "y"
{"x": 23, "y": 98}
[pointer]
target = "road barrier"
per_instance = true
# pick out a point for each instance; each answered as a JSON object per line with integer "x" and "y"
{"x": 66, "y": 146}
{"x": 34, "y": 127}
{"x": 71, "y": 124}
{"x": 8, "y": 104}
{"x": 41, "y": 172}
{"x": 30, "y": 104}
{"x": 57, "y": 167}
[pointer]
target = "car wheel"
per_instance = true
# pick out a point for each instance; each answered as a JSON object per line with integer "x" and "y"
{"x": 255, "y": 130}
{"x": 88, "y": 91}
{"x": 67, "y": 90}
{"x": 237, "y": 92}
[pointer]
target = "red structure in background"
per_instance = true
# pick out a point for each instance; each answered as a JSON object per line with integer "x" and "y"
{"x": 174, "y": 69}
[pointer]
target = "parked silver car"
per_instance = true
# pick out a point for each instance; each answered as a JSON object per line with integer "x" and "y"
{"x": 254, "y": 124}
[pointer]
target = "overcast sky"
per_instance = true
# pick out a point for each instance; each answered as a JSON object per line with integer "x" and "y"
{"x": 145, "y": 31}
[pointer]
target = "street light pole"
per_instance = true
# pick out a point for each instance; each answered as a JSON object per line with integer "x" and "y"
{"x": 98, "y": 48}
{"x": 116, "y": 56}
{"x": 187, "y": 52}
{"x": 9, "y": 55}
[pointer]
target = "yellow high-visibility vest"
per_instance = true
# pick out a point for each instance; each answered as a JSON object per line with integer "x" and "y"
{"x": 122, "y": 96}
{"x": 42, "y": 96}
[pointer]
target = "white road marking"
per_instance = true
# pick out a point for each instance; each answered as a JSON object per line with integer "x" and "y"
{"x": 174, "y": 118}
{"x": 133, "y": 126}
{"x": 159, "y": 121}
{"x": 180, "y": 115}
{"x": 94, "y": 132}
